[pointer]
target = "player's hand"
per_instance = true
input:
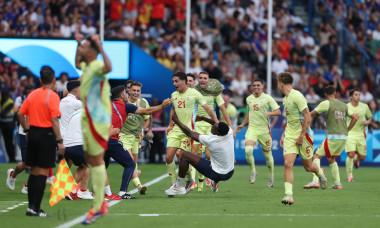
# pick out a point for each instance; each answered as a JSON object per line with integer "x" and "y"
{"x": 167, "y": 102}
{"x": 366, "y": 123}
{"x": 61, "y": 149}
{"x": 354, "y": 116}
{"x": 78, "y": 37}
{"x": 299, "y": 140}
{"x": 238, "y": 129}
{"x": 234, "y": 134}
{"x": 266, "y": 112}
{"x": 114, "y": 131}
{"x": 149, "y": 133}
{"x": 168, "y": 130}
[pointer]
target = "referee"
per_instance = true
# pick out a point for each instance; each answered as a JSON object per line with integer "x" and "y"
{"x": 43, "y": 135}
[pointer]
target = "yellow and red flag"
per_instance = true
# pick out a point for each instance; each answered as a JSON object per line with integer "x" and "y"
{"x": 63, "y": 184}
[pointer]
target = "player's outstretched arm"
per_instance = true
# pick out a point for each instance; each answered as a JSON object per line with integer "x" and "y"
{"x": 153, "y": 109}
{"x": 245, "y": 121}
{"x": 354, "y": 119}
{"x": 185, "y": 129}
{"x": 211, "y": 113}
{"x": 78, "y": 58}
{"x": 226, "y": 116}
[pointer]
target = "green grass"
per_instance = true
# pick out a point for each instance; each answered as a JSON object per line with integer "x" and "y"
{"x": 237, "y": 204}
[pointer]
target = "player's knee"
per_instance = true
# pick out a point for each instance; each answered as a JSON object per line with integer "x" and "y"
{"x": 169, "y": 159}
{"x": 351, "y": 155}
{"x": 288, "y": 164}
{"x": 361, "y": 157}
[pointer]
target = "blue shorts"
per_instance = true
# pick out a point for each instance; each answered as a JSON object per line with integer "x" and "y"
{"x": 204, "y": 167}
{"x": 23, "y": 144}
{"x": 75, "y": 154}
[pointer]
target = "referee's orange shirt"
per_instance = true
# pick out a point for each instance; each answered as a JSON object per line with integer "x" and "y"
{"x": 41, "y": 106}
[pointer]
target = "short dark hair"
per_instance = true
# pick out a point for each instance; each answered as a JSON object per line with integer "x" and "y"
{"x": 204, "y": 72}
{"x": 93, "y": 45}
{"x": 63, "y": 73}
{"x": 136, "y": 84}
{"x": 47, "y": 74}
{"x": 330, "y": 90}
{"x": 116, "y": 92}
{"x": 259, "y": 80}
{"x": 73, "y": 84}
{"x": 190, "y": 75}
{"x": 181, "y": 75}
{"x": 352, "y": 91}
{"x": 129, "y": 81}
{"x": 285, "y": 77}
{"x": 223, "y": 128}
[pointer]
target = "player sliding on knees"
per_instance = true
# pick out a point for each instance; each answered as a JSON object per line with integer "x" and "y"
{"x": 221, "y": 146}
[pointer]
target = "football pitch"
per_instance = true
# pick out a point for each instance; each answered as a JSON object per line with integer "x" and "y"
{"x": 237, "y": 204}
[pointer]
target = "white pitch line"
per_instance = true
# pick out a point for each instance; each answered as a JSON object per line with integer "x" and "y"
{"x": 243, "y": 215}
{"x": 14, "y": 206}
{"x": 112, "y": 203}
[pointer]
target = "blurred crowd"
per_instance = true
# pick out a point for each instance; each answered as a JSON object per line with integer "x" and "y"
{"x": 228, "y": 40}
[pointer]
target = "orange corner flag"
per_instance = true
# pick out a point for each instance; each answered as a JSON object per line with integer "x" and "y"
{"x": 63, "y": 184}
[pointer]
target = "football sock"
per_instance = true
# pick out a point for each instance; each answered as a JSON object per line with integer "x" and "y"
{"x": 171, "y": 171}
{"x": 320, "y": 172}
{"x": 31, "y": 181}
{"x": 179, "y": 182}
{"x": 270, "y": 163}
{"x": 335, "y": 172}
{"x": 136, "y": 181}
{"x": 192, "y": 171}
{"x": 288, "y": 188}
{"x": 349, "y": 166}
{"x": 98, "y": 176}
{"x": 107, "y": 190}
{"x": 250, "y": 158}
{"x": 39, "y": 189}
{"x": 316, "y": 161}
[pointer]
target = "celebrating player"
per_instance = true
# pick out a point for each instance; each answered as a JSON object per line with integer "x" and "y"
{"x": 356, "y": 147}
{"x": 261, "y": 107}
{"x": 335, "y": 115}
{"x": 184, "y": 101}
{"x": 297, "y": 137}
{"x": 221, "y": 164}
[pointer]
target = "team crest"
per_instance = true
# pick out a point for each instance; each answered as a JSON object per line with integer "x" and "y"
{"x": 188, "y": 98}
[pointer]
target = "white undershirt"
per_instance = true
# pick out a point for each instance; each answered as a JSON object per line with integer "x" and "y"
{"x": 221, "y": 150}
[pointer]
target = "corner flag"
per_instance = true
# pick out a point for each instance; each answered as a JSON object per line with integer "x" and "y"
{"x": 63, "y": 184}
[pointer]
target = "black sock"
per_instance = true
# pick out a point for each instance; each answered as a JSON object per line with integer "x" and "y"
{"x": 31, "y": 182}
{"x": 39, "y": 189}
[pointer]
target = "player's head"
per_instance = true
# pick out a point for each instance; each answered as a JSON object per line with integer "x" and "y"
{"x": 284, "y": 79}
{"x": 258, "y": 86}
{"x": 73, "y": 87}
{"x": 92, "y": 45}
{"x": 135, "y": 90}
{"x": 47, "y": 75}
{"x": 119, "y": 93}
{"x": 220, "y": 128}
{"x": 330, "y": 91}
{"x": 180, "y": 81}
{"x": 203, "y": 79}
{"x": 128, "y": 85}
{"x": 190, "y": 80}
{"x": 355, "y": 94}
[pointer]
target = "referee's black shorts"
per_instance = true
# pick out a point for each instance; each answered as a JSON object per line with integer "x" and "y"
{"x": 42, "y": 147}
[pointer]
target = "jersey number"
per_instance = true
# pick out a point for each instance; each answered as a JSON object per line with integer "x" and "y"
{"x": 255, "y": 107}
{"x": 181, "y": 103}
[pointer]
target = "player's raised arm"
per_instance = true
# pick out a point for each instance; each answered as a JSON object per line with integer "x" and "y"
{"x": 78, "y": 57}
{"x": 107, "y": 63}
{"x": 147, "y": 111}
{"x": 186, "y": 130}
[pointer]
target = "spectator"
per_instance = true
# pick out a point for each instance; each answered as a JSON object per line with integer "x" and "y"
{"x": 174, "y": 48}
{"x": 283, "y": 47}
{"x": 213, "y": 70}
{"x": 131, "y": 11}
{"x": 157, "y": 30}
{"x": 320, "y": 86}
{"x": 258, "y": 52}
{"x": 299, "y": 50}
{"x": 163, "y": 59}
{"x": 116, "y": 9}
{"x": 239, "y": 85}
{"x": 62, "y": 81}
{"x": 310, "y": 65}
{"x": 65, "y": 28}
{"x": 365, "y": 95}
{"x": 90, "y": 29}
{"x": 279, "y": 65}
{"x": 158, "y": 12}
{"x": 7, "y": 124}
{"x": 307, "y": 41}
{"x": 311, "y": 96}
{"x": 328, "y": 55}
{"x": 374, "y": 107}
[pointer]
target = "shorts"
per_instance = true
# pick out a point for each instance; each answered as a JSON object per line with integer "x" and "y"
{"x": 357, "y": 143}
{"x": 265, "y": 140}
{"x": 130, "y": 142}
{"x": 75, "y": 154}
{"x": 331, "y": 148}
{"x": 42, "y": 147}
{"x": 23, "y": 144}
{"x": 95, "y": 136}
{"x": 306, "y": 150}
{"x": 205, "y": 168}
{"x": 202, "y": 130}
{"x": 179, "y": 140}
